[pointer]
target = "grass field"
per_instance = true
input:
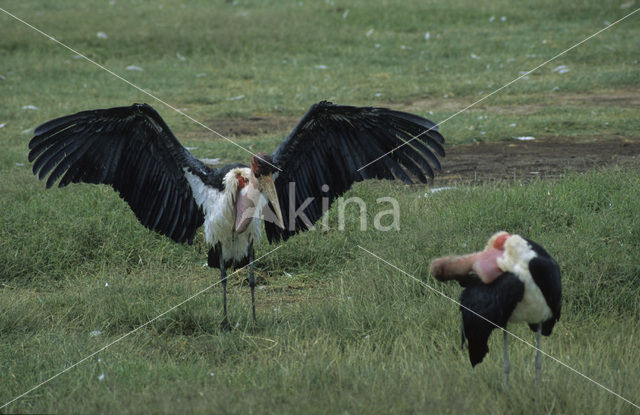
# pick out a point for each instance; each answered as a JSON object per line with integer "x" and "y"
{"x": 338, "y": 330}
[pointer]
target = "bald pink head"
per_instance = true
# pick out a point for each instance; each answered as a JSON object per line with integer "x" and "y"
{"x": 501, "y": 238}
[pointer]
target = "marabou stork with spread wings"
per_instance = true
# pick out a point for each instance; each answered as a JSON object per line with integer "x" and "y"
{"x": 172, "y": 192}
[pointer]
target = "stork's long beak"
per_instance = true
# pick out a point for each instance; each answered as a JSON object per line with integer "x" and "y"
{"x": 484, "y": 264}
{"x": 269, "y": 188}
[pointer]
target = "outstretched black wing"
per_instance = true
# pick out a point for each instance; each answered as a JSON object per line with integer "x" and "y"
{"x": 330, "y": 146}
{"x": 131, "y": 149}
{"x": 486, "y": 307}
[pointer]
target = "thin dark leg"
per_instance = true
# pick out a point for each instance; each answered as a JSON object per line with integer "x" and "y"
{"x": 252, "y": 282}
{"x": 506, "y": 364}
{"x": 223, "y": 278}
{"x": 538, "y": 354}
{"x": 463, "y": 338}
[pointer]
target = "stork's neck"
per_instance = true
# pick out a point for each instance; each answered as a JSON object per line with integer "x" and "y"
{"x": 253, "y": 179}
{"x": 247, "y": 197}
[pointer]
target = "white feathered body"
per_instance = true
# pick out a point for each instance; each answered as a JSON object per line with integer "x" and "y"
{"x": 220, "y": 214}
{"x": 533, "y": 308}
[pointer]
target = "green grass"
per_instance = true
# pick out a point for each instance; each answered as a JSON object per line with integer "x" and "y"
{"x": 344, "y": 332}
{"x": 338, "y": 331}
{"x": 270, "y": 53}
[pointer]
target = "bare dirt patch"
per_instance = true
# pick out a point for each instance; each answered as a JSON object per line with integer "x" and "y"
{"x": 457, "y": 104}
{"x": 546, "y": 157}
{"x": 627, "y": 98}
{"x": 252, "y": 126}
{"x": 619, "y": 98}
{"x": 282, "y": 124}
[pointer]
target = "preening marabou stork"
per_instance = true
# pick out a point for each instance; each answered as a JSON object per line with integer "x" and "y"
{"x": 172, "y": 192}
{"x": 512, "y": 280}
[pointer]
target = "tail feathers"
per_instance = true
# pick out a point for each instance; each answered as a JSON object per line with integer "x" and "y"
{"x": 477, "y": 352}
{"x": 547, "y": 326}
{"x": 213, "y": 259}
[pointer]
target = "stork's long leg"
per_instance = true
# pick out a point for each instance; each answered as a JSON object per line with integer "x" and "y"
{"x": 223, "y": 278}
{"x": 538, "y": 354}
{"x": 252, "y": 282}
{"x": 506, "y": 364}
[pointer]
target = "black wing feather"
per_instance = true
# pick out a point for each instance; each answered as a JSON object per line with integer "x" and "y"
{"x": 546, "y": 274}
{"x": 133, "y": 150}
{"x": 495, "y": 302}
{"x": 330, "y": 144}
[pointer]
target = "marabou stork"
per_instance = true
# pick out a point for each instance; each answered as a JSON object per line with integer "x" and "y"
{"x": 512, "y": 280}
{"x": 170, "y": 191}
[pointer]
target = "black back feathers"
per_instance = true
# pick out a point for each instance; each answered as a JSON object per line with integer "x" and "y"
{"x": 493, "y": 302}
